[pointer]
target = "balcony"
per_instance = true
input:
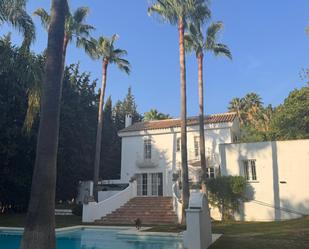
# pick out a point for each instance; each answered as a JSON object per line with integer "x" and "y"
{"x": 194, "y": 158}
{"x": 145, "y": 163}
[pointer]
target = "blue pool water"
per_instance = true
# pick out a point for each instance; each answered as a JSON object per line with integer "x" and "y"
{"x": 97, "y": 239}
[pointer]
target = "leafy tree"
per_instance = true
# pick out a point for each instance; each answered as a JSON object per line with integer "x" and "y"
{"x": 291, "y": 119}
{"x": 111, "y": 155}
{"x": 195, "y": 41}
{"x": 39, "y": 229}
{"x": 14, "y": 12}
{"x": 112, "y": 161}
{"x": 180, "y": 13}
{"x": 225, "y": 193}
{"x": 124, "y": 107}
{"x": 154, "y": 114}
{"x": 77, "y": 132}
{"x": 105, "y": 50}
{"x": 16, "y": 150}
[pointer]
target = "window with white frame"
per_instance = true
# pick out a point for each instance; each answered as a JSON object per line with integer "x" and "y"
{"x": 210, "y": 173}
{"x": 250, "y": 169}
{"x": 196, "y": 146}
{"x": 147, "y": 149}
{"x": 178, "y": 144}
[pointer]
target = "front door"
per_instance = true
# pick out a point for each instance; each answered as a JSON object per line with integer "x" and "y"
{"x": 150, "y": 184}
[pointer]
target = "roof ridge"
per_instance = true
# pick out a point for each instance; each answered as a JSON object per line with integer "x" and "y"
{"x": 171, "y": 123}
{"x": 189, "y": 117}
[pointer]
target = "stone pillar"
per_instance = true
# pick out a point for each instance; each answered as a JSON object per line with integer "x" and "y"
{"x": 198, "y": 234}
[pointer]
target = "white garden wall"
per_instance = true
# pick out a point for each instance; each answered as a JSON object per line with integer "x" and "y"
{"x": 281, "y": 190}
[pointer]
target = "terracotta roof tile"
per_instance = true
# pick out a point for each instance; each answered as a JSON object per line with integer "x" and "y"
{"x": 170, "y": 123}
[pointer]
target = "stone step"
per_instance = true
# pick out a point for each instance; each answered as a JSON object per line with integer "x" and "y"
{"x": 126, "y": 212}
{"x": 139, "y": 215}
{"x": 144, "y": 221}
{"x": 151, "y": 210}
{"x": 145, "y": 207}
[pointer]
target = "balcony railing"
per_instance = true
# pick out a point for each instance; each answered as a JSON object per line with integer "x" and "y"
{"x": 194, "y": 157}
{"x": 142, "y": 162}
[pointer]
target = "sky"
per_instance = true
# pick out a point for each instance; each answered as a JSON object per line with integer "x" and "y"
{"x": 267, "y": 39}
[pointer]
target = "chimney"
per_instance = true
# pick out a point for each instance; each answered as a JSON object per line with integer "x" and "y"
{"x": 128, "y": 120}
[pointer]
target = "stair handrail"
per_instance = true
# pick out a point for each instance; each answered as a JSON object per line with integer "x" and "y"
{"x": 96, "y": 210}
{"x": 177, "y": 203}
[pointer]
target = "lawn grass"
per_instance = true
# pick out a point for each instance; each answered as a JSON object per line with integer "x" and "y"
{"x": 18, "y": 220}
{"x": 292, "y": 234}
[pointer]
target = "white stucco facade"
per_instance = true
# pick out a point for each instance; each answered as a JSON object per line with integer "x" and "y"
{"x": 281, "y": 188}
{"x": 165, "y": 157}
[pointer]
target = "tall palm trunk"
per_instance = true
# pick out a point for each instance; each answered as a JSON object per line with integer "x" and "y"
{"x": 40, "y": 222}
{"x": 184, "y": 156}
{"x": 99, "y": 131}
{"x": 65, "y": 45}
{"x": 200, "y": 56}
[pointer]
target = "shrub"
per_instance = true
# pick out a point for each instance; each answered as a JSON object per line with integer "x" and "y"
{"x": 226, "y": 192}
{"x": 77, "y": 210}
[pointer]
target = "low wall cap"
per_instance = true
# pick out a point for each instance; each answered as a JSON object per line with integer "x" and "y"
{"x": 196, "y": 200}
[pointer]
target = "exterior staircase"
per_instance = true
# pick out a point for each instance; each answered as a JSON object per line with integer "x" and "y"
{"x": 150, "y": 210}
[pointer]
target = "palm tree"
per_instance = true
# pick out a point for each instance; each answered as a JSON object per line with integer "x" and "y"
{"x": 39, "y": 229}
{"x": 105, "y": 50}
{"x": 75, "y": 29}
{"x": 253, "y": 105}
{"x": 180, "y": 13}
{"x": 237, "y": 105}
{"x": 195, "y": 41}
{"x": 14, "y": 13}
{"x": 154, "y": 114}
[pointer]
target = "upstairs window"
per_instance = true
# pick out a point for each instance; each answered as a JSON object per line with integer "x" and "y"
{"x": 196, "y": 146}
{"x": 147, "y": 149}
{"x": 250, "y": 169}
{"x": 178, "y": 144}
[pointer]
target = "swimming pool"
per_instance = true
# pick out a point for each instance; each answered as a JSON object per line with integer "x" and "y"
{"x": 94, "y": 238}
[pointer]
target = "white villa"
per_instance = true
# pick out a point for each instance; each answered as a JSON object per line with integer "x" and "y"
{"x": 276, "y": 172}
{"x": 151, "y": 150}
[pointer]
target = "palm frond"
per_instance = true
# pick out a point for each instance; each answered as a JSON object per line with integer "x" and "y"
{"x": 123, "y": 65}
{"x": 34, "y": 98}
{"x": 212, "y": 34}
{"x": 212, "y": 44}
{"x": 14, "y": 13}
{"x": 89, "y": 45}
{"x": 197, "y": 11}
{"x": 164, "y": 10}
{"x": 194, "y": 40}
{"x": 80, "y": 14}
{"x": 221, "y": 49}
{"x": 120, "y": 52}
{"x": 44, "y": 16}
{"x": 84, "y": 29}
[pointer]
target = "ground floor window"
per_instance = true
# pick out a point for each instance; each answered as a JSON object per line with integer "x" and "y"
{"x": 250, "y": 169}
{"x": 150, "y": 184}
{"x": 210, "y": 173}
